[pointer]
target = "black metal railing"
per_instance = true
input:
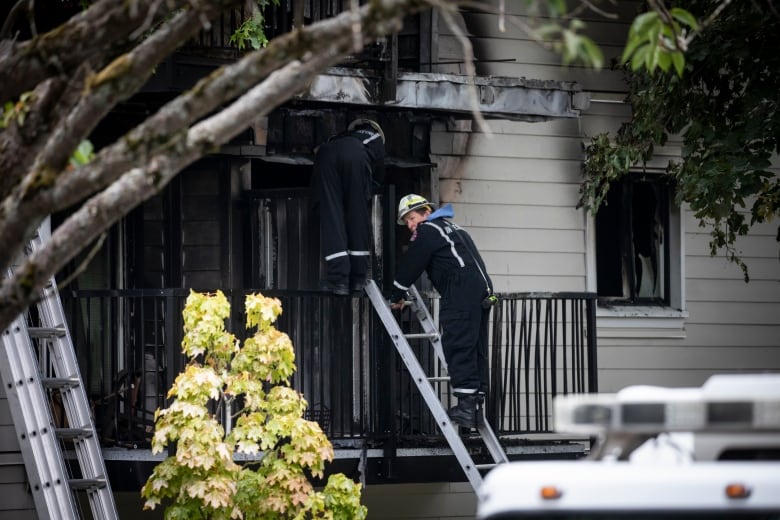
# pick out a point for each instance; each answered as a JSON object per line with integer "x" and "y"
{"x": 542, "y": 345}
{"x": 128, "y": 344}
{"x": 281, "y": 19}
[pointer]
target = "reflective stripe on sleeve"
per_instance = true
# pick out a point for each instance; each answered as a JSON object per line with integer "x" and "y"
{"x": 449, "y": 241}
{"x": 336, "y": 255}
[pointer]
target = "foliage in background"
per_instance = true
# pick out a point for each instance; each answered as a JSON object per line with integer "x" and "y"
{"x": 552, "y": 24}
{"x": 658, "y": 41}
{"x": 201, "y": 479}
{"x": 724, "y": 107}
{"x": 252, "y": 30}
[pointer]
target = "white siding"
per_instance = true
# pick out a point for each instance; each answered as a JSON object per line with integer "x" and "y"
{"x": 516, "y": 191}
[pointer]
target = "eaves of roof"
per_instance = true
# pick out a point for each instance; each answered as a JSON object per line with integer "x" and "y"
{"x": 498, "y": 97}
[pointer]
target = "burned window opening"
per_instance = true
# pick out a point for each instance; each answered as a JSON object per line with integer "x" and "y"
{"x": 284, "y": 230}
{"x": 632, "y": 249}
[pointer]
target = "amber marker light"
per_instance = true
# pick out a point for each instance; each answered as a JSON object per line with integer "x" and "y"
{"x": 737, "y": 491}
{"x": 550, "y": 493}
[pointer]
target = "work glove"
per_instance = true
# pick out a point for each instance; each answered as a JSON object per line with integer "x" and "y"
{"x": 398, "y": 298}
{"x": 397, "y": 295}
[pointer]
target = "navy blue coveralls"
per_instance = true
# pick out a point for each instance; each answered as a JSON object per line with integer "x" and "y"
{"x": 346, "y": 167}
{"x": 456, "y": 269}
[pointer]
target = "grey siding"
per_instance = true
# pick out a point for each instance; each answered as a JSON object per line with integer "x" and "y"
{"x": 17, "y": 501}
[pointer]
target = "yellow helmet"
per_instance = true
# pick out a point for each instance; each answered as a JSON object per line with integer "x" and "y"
{"x": 410, "y": 203}
{"x": 367, "y": 122}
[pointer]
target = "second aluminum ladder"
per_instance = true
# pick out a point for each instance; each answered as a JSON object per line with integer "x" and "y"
{"x": 423, "y": 382}
{"x": 28, "y": 373}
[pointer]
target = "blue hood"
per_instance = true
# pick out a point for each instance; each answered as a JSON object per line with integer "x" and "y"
{"x": 445, "y": 211}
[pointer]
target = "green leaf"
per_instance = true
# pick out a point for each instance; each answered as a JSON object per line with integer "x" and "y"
{"x": 634, "y": 41}
{"x": 639, "y": 57}
{"x": 547, "y": 31}
{"x": 664, "y": 60}
{"x": 678, "y": 59}
{"x": 571, "y": 46}
{"x": 651, "y": 59}
{"x": 557, "y": 7}
{"x": 592, "y": 52}
{"x": 684, "y": 17}
{"x": 642, "y": 24}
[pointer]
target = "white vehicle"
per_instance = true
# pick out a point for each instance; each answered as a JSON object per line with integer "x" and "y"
{"x": 705, "y": 453}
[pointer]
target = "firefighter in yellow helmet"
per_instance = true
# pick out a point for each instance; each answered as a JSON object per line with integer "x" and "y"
{"x": 448, "y": 254}
{"x": 346, "y": 168}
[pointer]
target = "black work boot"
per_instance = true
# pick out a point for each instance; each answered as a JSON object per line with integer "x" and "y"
{"x": 465, "y": 412}
{"x": 340, "y": 289}
{"x": 357, "y": 283}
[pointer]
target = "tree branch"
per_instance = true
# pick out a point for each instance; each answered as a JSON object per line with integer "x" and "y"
{"x": 104, "y": 25}
{"x": 468, "y": 55}
{"x": 30, "y": 201}
{"x": 116, "y": 82}
{"x": 19, "y": 144}
{"x": 156, "y": 160}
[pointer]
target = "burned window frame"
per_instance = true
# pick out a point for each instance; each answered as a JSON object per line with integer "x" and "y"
{"x": 617, "y": 217}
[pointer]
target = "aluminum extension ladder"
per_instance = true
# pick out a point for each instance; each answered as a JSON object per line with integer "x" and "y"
{"x": 28, "y": 375}
{"x": 424, "y": 382}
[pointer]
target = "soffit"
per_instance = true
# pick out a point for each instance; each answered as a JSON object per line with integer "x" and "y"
{"x": 499, "y": 97}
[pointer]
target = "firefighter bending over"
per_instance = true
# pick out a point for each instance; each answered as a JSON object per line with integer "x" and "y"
{"x": 448, "y": 254}
{"x": 346, "y": 168}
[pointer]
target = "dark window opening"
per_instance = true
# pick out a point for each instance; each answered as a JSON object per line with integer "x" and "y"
{"x": 632, "y": 249}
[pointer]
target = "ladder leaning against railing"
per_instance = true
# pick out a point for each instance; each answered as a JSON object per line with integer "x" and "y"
{"x": 30, "y": 375}
{"x": 424, "y": 382}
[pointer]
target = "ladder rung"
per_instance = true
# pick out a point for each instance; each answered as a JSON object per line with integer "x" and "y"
{"x": 73, "y": 433}
{"x": 47, "y": 332}
{"x": 422, "y": 335}
{"x": 61, "y": 382}
{"x": 87, "y": 483}
{"x": 439, "y": 378}
{"x": 485, "y": 466}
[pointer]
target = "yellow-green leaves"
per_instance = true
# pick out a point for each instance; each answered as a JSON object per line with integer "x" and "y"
{"x": 197, "y": 384}
{"x": 83, "y": 154}
{"x": 268, "y": 356}
{"x": 261, "y": 312}
{"x": 340, "y": 499}
{"x": 202, "y": 479}
{"x": 17, "y": 111}
{"x": 204, "y": 327}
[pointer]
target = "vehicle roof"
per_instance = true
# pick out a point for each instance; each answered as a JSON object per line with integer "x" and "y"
{"x": 624, "y": 486}
{"x": 726, "y": 402}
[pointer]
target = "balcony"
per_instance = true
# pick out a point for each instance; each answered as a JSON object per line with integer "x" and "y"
{"x": 541, "y": 345}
